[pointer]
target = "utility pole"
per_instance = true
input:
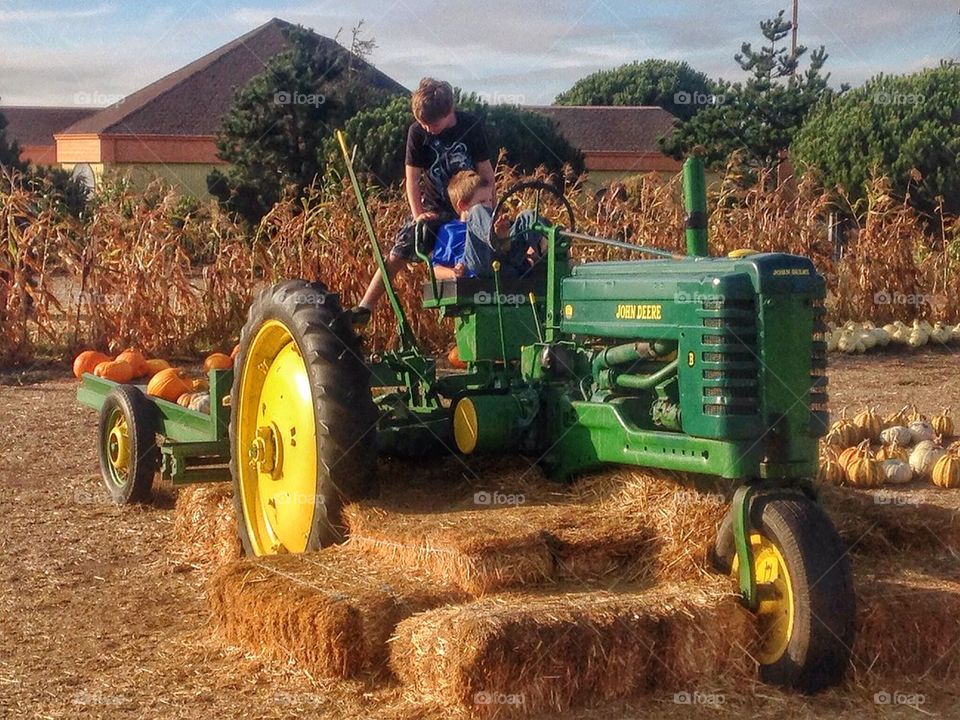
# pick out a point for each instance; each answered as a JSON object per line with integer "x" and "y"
{"x": 794, "y": 44}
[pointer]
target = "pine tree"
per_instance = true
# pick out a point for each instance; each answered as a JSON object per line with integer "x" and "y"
{"x": 9, "y": 150}
{"x": 758, "y": 118}
{"x": 274, "y": 135}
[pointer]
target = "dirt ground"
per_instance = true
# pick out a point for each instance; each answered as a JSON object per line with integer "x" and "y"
{"x": 100, "y": 618}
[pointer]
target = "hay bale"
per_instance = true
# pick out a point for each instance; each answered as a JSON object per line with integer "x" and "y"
{"x": 909, "y": 626}
{"x": 205, "y": 524}
{"x": 635, "y": 525}
{"x": 529, "y": 653}
{"x": 332, "y": 612}
{"x": 618, "y": 526}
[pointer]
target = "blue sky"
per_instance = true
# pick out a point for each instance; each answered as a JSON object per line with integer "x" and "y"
{"x": 64, "y": 53}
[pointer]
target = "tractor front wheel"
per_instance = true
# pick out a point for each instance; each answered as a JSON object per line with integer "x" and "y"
{"x": 806, "y": 609}
{"x": 303, "y": 422}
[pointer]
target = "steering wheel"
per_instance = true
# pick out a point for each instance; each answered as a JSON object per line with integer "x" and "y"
{"x": 540, "y": 187}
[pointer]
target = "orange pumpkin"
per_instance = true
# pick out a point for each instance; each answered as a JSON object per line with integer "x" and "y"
{"x": 155, "y": 365}
{"x": 169, "y": 384}
{"x": 136, "y": 360}
{"x": 453, "y": 357}
{"x": 87, "y": 361}
{"x": 116, "y": 370}
{"x": 217, "y": 361}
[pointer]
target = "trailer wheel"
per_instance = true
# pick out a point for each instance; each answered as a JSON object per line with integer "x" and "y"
{"x": 302, "y": 421}
{"x": 806, "y": 614}
{"x": 127, "y": 445}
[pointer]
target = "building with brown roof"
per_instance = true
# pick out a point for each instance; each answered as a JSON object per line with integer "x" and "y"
{"x": 616, "y": 141}
{"x": 169, "y": 128}
{"x": 33, "y": 129}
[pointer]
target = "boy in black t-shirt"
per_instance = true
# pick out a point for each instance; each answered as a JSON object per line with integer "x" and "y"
{"x": 440, "y": 143}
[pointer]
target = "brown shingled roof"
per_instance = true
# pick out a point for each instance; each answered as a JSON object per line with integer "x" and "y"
{"x": 192, "y": 100}
{"x": 31, "y": 125}
{"x": 629, "y": 129}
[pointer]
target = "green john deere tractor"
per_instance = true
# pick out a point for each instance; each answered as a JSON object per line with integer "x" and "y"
{"x": 706, "y": 365}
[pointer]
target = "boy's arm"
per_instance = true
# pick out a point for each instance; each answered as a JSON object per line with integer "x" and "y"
{"x": 442, "y": 272}
{"x": 414, "y": 198}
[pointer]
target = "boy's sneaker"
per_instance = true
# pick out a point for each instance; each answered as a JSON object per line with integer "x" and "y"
{"x": 359, "y": 316}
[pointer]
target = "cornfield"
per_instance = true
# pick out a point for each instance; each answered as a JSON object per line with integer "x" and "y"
{"x": 146, "y": 269}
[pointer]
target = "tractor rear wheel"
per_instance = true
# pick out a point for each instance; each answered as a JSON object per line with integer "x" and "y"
{"x": 127, "y": 445}
{"x": 302, "y": 423}
{"x": 807, "y": 606}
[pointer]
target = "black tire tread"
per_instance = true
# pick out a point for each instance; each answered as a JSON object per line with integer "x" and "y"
{"x": 344, "y": 411}
{"x": 143, "y": 445}
{"x": 817, "y": 559}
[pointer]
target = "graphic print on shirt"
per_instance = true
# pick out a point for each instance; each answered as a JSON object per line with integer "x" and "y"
{"x": 448, "y": 161}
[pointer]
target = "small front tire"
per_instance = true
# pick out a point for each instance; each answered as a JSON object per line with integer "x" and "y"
{"x": 127, "y": 442}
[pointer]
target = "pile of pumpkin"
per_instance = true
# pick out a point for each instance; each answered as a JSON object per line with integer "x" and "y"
{"x": 910, "y": 447}
{"x": 854, "y": 337}
{"x": 163, "y": 380}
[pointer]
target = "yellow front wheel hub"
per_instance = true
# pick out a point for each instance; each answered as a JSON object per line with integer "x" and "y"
{"x": 276, "y": 444}
{"x": 776, "y": 611}
{"x": 118, "y": 446}
{"x": 466, "y": 430}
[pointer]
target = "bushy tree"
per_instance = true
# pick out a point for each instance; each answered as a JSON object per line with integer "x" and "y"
{"x": 9, "y": 150}
{"x": 904, "y": 127}
{"x": 274, "y": 135}
{"x": 674, "y": 86}
{"x": 759, "y": 118}
{"x": 529, "y": 139}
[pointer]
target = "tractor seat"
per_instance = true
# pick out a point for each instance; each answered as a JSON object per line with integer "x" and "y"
{"x": 481, "y": 291}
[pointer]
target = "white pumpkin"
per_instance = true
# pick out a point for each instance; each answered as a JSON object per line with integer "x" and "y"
{"x": 880, "y": 337}
{"x": 897, "y": 435}
{"x": 921, "y": 430}
{"x": 940, "y": 334}
{"x": 924, "y": 457}
{"x": 897, "y": 472}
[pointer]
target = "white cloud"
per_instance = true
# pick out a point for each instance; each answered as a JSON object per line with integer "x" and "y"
{"x": 37, "y": 15}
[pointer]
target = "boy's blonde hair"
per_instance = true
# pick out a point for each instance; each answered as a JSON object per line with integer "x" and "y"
{"x": 432, "y": 100}
{"x": 463, "y": 186}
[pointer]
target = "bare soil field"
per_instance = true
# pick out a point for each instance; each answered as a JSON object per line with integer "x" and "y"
{"x": 104, "y": 614}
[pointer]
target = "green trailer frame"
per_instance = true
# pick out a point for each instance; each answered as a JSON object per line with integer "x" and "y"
{"x": 194, "y": 446}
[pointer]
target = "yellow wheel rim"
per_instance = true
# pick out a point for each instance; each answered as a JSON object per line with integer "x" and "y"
{"x": 118, "y": 447}
{"x": 776, "y": 609}
{"x": 465, "y": 428}
{"x": 276, "y": 444}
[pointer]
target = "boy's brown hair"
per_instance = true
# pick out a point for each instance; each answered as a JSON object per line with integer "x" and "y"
{"x": 432, "y": 100}
{"x": 462, "y": 187}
